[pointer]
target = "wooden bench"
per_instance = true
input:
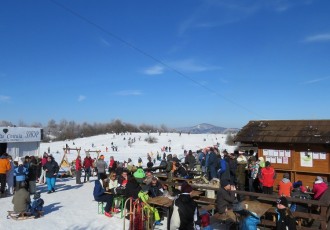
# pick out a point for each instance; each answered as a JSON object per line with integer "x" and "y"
{"x": 207, "y": 204}
{"x": 207, "y": 208}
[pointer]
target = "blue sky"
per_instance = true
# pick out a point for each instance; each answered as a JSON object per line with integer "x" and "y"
{"x": 177, "y": 63}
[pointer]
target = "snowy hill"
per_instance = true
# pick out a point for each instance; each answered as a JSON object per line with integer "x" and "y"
{"x": 207, "y": 128}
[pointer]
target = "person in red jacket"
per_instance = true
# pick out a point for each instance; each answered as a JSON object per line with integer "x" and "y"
{"x": 267, "y": 178}
{"x": 319, "y": 187}
{"x": 78, "y": 170}
{"x": 112, "y": 165}
{"x": 88, "y": 164}
{"x": 42, "y": 178}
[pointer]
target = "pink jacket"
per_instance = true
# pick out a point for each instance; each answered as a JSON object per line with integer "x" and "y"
{"x": 43, "y": 161}
{"x": 319, "y": 189}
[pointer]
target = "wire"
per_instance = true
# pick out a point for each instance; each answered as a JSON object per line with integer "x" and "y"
{"x": 152, "y": 57}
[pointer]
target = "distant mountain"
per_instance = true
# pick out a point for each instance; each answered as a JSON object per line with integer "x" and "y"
{"x": 206, "y": 128}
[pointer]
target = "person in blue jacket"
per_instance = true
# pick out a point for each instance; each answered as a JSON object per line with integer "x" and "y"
{"x": 100, "y": 195}
{"x": 212, "y": 163}
{"x": 20, "y": 174}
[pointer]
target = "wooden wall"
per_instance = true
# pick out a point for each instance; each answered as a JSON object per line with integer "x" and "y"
{"x": 321, "y": 167}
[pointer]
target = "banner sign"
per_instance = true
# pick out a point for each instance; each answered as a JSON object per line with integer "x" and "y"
{"x": 19, "y": 134}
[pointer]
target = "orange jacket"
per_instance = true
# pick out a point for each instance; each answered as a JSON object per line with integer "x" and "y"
{"x": 284, "y": 189}
{"x": 4, "y": 165}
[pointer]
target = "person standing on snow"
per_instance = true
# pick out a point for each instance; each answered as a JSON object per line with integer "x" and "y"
{"x": 4, "y": 168}
{"x": 212, "y": 164}
{"x": 88, "y": 164}
{"x": 78, "y": 170}
{"x": 10, "y": 177}
{"x": 42, "y": 178}
{"x": 32, "y": 176}
{"x": 101, "y": 166}
{"x": 20, "y": 174}
{"x": 51, "y": 168}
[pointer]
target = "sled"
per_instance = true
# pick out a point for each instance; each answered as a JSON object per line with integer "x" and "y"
{"x": 23, "y": 215}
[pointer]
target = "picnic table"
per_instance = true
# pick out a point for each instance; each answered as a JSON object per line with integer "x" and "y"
{"x": 164, "y": 202}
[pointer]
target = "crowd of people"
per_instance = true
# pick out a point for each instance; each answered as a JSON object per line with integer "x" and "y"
{"x": 242, "y": 171}
{"x": 19, "y": 179}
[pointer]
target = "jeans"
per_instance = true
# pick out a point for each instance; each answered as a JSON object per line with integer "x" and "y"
{"x": 78, "y": 177}
{"x": 51, "y": 183}
{"x": 3, "y": 182}
{"x": 108, "y": 198}
{"x": 42, "y": 178}
{"x": 87, "y": 174}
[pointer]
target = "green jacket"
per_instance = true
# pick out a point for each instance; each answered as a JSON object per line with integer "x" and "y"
{"x": 139, "y": 173}
{"x": 21, "y": 200}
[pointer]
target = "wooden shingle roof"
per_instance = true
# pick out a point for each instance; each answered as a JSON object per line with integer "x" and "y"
{"x": 285, "y": 131}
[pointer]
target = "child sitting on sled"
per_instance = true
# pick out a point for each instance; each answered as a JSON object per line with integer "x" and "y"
{"x": 37, "y": 205}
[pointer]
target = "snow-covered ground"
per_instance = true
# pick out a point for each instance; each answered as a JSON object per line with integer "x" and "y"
{"x": 72, "y": 206}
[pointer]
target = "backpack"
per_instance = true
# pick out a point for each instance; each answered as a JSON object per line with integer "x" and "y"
{"x": 169, "y": 166}
{"x": 293, "y": 207}
{"x": 163, "y": 164}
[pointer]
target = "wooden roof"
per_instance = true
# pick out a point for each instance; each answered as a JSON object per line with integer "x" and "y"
{"x": 285, "y": 131}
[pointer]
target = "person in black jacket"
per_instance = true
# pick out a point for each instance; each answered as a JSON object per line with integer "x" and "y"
{"x": 51, "y": 168}
{"x": 185, "y": 210}
{"x": 155, "y": 188}
{"x": 284, "y": 218}
{"x": 180, "y": 171}
{"x": 132, "y": 189}
{"x": 32, "y": 175}
{"x": 225, "y": 198}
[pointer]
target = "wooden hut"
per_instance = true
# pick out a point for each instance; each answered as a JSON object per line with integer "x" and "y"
{"x": 299, "y": 147}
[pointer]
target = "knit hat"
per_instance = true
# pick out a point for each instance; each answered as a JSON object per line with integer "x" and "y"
{"x": 318, "y": 178}
{"x": 283, "y": 201}
{"x": 297, "y": 184}
{"x": 261, "y": 159}
{"x": 286, "y": 175}
{"x": 225, "y": 183}
{"x": 267, "y": 163}
{"x": 186, "y": 188}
